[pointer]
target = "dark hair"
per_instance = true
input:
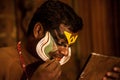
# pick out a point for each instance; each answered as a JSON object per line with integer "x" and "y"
{"x": 52, "y": 13}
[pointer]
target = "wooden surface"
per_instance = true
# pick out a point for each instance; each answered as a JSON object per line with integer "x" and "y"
{"x": 97, "y": 67}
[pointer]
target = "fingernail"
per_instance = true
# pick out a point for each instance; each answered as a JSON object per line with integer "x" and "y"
{"x": 115, "y": 68}
{"x": 108, "y": 73}
{"x": 104, "y": 78}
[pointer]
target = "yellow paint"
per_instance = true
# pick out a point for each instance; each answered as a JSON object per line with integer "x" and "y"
{"x": 70, "y": 38}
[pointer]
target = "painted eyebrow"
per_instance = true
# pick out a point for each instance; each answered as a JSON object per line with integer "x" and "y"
{"x": 57, "y": 36}
{"x": 61, "y": 36}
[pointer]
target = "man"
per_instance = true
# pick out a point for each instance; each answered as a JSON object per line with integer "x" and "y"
{"x": 51, "y": 32}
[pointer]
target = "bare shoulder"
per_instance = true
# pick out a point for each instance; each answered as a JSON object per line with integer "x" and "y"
{"x": 8, "y": 55}
{"x": 8, "y": 51}
{"x": 9, "y": 60}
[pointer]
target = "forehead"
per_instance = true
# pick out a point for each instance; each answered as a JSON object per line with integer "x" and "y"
{"x": 64, "y": 27}
{"x": 64, "y": 32}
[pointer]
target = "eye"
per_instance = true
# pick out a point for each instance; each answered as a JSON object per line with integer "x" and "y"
{"x": 62, "y": 36}
{"x": 62, "y": 42}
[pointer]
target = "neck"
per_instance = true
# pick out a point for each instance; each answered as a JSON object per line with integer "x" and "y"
{"x": 27, "y": 55}
{"x": 27, "y": 60}
{"x": 30, "y": 46}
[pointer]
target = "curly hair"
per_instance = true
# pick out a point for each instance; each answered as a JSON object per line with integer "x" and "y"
{"x": 54, "y": 12}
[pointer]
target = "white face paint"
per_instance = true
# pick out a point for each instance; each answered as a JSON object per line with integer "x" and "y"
{"x": 47, "y": 45}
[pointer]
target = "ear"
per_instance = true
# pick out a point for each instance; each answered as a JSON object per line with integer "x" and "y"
{"x": 38, "y": 30}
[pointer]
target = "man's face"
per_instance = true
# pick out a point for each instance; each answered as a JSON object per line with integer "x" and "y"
{"x": 56, "y": 44}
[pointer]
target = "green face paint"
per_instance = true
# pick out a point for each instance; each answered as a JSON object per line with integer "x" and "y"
{"x": 47, "y": 45}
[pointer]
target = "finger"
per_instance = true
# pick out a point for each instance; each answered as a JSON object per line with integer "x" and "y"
{"x": 48, "y": 62}
{"x": 57, "y": 69}
{"x": 113, "y": 75}
{"x": 53, "y": 65}
{"x": 116, "y": 69}
{"x": 58, "y": 75}
{"x": 54, "y": 70}
{"x": 104, "y": 78}
{"x": 58, "y": 72}
{"x": 107, "y": 78}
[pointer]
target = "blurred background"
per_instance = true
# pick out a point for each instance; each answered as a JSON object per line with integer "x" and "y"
{"x": 100, "y": 33}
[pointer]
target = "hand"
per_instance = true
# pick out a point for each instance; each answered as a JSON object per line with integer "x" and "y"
{"x": 114, "y": 75}
{"x": 50, "y": 70}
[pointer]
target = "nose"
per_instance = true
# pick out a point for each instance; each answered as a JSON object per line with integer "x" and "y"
{"x": 63, "y": 50}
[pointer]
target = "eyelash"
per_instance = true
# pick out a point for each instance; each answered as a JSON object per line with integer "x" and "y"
{"x": 61, "y": 37}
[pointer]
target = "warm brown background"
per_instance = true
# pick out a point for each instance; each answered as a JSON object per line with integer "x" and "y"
{"x": 100, "y": 34}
